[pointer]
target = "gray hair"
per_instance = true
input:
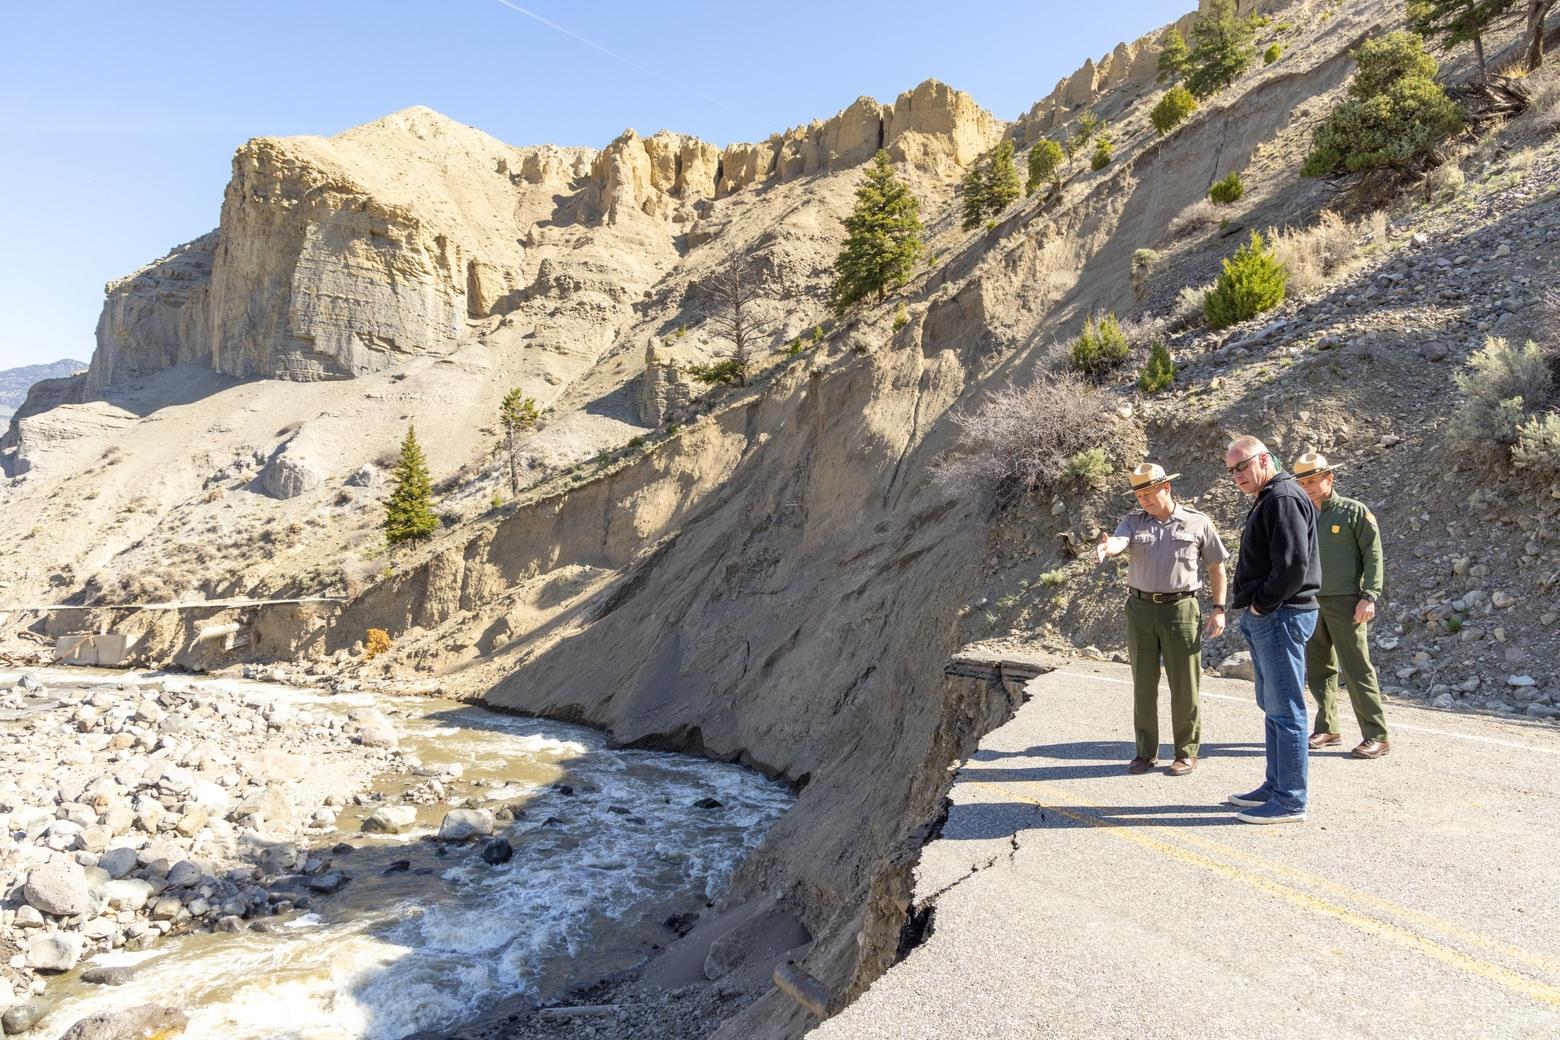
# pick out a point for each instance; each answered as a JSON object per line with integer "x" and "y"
{"x": 1247, "y": 443}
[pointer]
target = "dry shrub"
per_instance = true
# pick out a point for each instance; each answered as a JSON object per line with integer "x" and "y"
{"x": 1021, "y": 439}
{"x": 290, "y": 429}
{"x": 1143, "y": 330}
{"x": 1445, "y": 181}
{"x": 378, "y": 642}
{"x": 1545, "y": 108}
{"x": 1320, "y": 251}
{"x": 1196, "y": 217}
{"x": 1188, "y": 309}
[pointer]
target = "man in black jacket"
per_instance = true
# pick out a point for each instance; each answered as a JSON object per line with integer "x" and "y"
{"x": 1276, "y": 579}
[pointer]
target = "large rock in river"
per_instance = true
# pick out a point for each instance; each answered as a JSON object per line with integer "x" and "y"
{"x": 147, "y": 1022}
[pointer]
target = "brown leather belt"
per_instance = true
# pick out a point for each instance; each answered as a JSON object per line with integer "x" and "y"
{"x": 1162, "y": 597}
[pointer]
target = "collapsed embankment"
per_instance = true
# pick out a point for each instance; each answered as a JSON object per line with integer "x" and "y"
{"x": 779, "y": 585}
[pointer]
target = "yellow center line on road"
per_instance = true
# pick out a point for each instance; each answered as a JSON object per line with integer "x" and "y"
{"x": 1474, "y": 737}
{"x": 1516, "y": 982}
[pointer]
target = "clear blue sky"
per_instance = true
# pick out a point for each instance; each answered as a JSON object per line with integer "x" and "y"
{"x": 118, "y": 119}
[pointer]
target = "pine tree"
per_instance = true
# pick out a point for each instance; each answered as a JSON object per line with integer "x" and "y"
{"x": 972, "y": 189}
{"x": 1174, "y": 56}
{"x": 1002, "y": 185}
{"x": 1253, "y": 281}
{"x": 1393, "y": 115}
{"x": 516, "y": 415}
{"x": 1452, "y": 22}
{"x": 883, "y": 237}
{"x": 1222, "y": 51}
{"x": 1045, "y": 164}
{"x": 1158, "y": 372}
{"x": 1227, "y": 190}
{"x": 409, "y": 509}
{"x": 1175, "y": 106}
{"x": 990, "y": 186}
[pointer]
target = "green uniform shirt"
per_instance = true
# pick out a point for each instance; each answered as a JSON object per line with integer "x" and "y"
{"x": 1350, "y": 548}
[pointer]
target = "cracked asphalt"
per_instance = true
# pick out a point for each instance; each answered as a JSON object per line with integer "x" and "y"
{"x": 1421, "y": 898}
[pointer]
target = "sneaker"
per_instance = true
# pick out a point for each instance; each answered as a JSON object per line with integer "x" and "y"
{"x": 1271, "y": 813}
{"x": 1252, "y": 798}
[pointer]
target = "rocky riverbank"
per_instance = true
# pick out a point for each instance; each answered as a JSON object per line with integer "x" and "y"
{"x": 148, "y": 806}
{"x": 268, "y": 824}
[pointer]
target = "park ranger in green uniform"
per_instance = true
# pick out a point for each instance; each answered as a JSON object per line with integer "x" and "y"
{"x": 1170, "y": 543}
{"x": 1351, "y": 584}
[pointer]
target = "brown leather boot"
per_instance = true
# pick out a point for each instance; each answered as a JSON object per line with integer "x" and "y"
{"x": 1370, "y": 748}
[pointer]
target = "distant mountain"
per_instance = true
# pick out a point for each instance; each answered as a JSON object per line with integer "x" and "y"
{"x": 14, "y": 382}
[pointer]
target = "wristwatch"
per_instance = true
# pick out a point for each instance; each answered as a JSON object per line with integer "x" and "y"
{"x": 1217, "y": 606}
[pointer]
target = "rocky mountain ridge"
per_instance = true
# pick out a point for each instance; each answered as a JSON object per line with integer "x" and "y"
{"x": 15, "y": 382}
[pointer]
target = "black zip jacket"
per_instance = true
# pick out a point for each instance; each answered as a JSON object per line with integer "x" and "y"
{"x": 1279, "y": 564}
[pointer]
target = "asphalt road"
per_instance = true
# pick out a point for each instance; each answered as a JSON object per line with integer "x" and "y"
{"x": 1420, "y": 899}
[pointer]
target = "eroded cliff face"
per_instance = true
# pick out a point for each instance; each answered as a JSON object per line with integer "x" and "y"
{"x": 339, "y": 257}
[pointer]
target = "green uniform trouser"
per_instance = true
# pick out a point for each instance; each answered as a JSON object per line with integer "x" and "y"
{"x": 1171, "y": 632}
{"x": 1338, "y": 640}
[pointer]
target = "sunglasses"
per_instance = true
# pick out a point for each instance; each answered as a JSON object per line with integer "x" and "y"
{"x": 1240, "y": 467}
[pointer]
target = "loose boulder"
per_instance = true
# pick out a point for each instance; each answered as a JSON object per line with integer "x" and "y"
{"x": 58, "y": 887}
{"x": 496, "y": 851}
{"x": 372, "y": 729}
{"x": 23, "y": 1017}
{"x": 54, "y": 951}
{"x": 1238, "y": 666}
{"x": 391, "y": 819}
{"x": 137, "y": 1023}
{"x": 288, "y": 476}
{"x": 465, "y": 824}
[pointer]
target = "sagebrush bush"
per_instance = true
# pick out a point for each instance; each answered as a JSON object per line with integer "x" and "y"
{"x": 1252, "y": 281}
{"x": 1174, "y": 107}
{"x": 1143, "y": 261}
{"x": 1090, "y": 467}
{"x": 1537, "y": 450}
{"x": 1158, "y": 371}
{"x": 1021, "y": 439}
{"x": 1199, "y": 215}
{"x": 1503, "y": 388}
{"x": 1189, "y": 304}
{"x": 1100, "y": 347}
{"x": 1445, "y": 181}
{"x": 1227, "y": 190}
{"x": 1394, "y": 114}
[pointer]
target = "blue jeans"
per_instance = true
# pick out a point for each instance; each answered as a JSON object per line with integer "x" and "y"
{"x": 1277, "y": 642}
